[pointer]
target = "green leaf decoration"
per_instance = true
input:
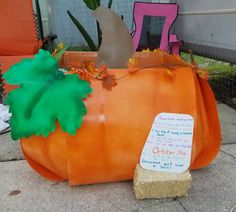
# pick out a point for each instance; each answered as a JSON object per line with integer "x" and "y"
{"x": 92, "y": 4}
{"x": 45, "y": 95}
{"x": 85, "y": 34}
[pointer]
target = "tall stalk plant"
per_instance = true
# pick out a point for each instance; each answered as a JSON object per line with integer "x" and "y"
{"x": 92, "y": 5}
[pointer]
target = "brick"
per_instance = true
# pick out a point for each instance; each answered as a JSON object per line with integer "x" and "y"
{"x": 156, "y": 184}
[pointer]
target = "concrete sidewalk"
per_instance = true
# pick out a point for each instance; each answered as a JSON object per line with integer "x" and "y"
{"x": 212, "y": 189}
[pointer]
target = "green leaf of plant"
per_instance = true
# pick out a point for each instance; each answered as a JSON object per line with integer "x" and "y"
{"x": 85, "y": 34}
{"x": 110, "y": 4}
{"x": 39, "y": 102}
{"x": 98, "y": 2}
{"x": 99, "y": 33}
{"x": 92, "y": 4}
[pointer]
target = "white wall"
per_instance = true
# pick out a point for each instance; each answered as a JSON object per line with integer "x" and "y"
{"x": 207, "y": 22}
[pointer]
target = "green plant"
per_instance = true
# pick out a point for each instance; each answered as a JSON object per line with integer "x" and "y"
{"x": 215, "y": 68}
{"x": 83, "y": 31}
{"x": 93, "y": 5}
{"x": 110, "y": 4}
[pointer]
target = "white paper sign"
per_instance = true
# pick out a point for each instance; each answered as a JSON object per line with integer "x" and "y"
{"x": 169, "y": 143}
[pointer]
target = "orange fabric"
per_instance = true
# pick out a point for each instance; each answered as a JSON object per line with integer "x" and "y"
{"x": 6, "y": 63}
{"x": 18, "y": 34}
{"x": 108, "y": 145}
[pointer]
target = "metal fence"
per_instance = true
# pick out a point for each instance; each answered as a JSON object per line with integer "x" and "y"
{"x": 60, "y": 23}
{"x": 1, "y": 86}
{"x": 224, "y": 87}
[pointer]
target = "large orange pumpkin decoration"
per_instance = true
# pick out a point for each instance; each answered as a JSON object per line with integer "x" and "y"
{"x": 107, "y": 147}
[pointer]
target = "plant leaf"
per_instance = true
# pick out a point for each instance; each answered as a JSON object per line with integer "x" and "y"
{"x": 84, "y": 33}
{"x": 92, "y": 4}
{"x": 44, "y": 96}
{"x": 110, "y": 4}
{"x": 109, "y": 82}
{"x": 133, "y": 65}
{"x": 99, "y": 34}
{"x": 169, "y": 72}
{"x": 59, "y": 51}
{"x": 203, "y": 74}
{"x": 98, "y": 2}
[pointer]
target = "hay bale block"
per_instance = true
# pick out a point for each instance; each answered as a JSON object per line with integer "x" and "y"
{"x": 155, "y": 184}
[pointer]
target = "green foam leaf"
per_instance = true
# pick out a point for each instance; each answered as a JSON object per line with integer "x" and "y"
{"x": 44, "y": 95}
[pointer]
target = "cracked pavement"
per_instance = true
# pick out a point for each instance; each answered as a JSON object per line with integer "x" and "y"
{"x": 213, "y": 188}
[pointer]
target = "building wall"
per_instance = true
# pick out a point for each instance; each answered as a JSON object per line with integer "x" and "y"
{"x": 207, "y": 22}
